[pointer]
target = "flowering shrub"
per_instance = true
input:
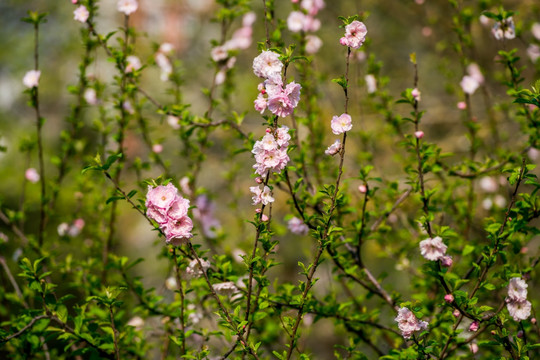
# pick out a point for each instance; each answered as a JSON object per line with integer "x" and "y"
{"x": 404, "y": 228}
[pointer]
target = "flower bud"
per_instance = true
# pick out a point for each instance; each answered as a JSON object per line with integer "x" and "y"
{"x": 474, "y": 326}
{"x": 419, "y": 134}
{"x": 449, "y": 298}
{"x": 362, "y": 189}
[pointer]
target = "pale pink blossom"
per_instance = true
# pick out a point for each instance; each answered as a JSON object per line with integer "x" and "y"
{"x": 164, "y": 64}
{"x": 474, "y": 326}
{"x": 241, "y": 39}
{"x": 157, "y": 148}
{"x": 462, "y": 105}
{"x": 297, "y": 226}
{"x": 219, "y": 53}
{"x": 166, "y": 48}
{"x": 283, "y": 136}
{"x": 488, "y": 184}
{"x": 311, "y": 24}
{"x": 355, "y": 35}
{"x": 449, "y": 298}
{"x": 178, "y": 231}
{"x": 312, "y": 6}
{"x": 62, "y": 229}
{"x": 334, "y": 148}
{"x": 362, "y": 188}
{"x": 433, "y": 249}
{"x": 260, "y": 103}
{"x": 474, "y": 71}
{"x": 282, "y": 103}
{"x": 79, "y": 223}
{"x": 341, "y": 124}
{"x": 535, "y": 29}
{"x": 81, "y": 14}
{"x": 127, "y": 6}
{"x": 195, "y": 270}
{"x": 408, "y": 323}
{"x": 220, "y": 77}
{"x": 517, "y": 289}
{"x": 313, "y": 44}
{"x": 31, "y": 78}
{"x": 31, "y": 175}
{"x": 204, "y": 213}
{"x": 534, "y": 52}
{"x": 271, "y": 153}
{"x": 249, "y": 19}
{"x": 484, "y": 20}
{"x": 137, "y": 322}
{"x": 171, "y": 283}
{"x": 90, "y": 96}
{"x": 173, "y": 122}
{"x": 447, "y": 261}
{"x": 371, "y": 83}
{"x": 504, "y": 29}
{"x": 419, "y": 134}
{"x": 469, "y": 84}
{"x": 161, "y": 196}
{"x": 416, "y": 94}
{"x": 133, "y": 63}
{"x": 267, "y": 65}
{"x": 474, "y": 347}
{"x": 128, "y": 107}
{"x": 261, "y": 196}
{"x": 264, "y": 217}
{"x": 295, "y": 21}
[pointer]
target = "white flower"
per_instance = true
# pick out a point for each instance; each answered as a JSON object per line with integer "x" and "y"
{"x": 517, "y": 289}
{"x": 371, "y": 83}
{"x": 519, "y": 310}
{"x": 81, "y": 14}
{"x": 90, "y": 96}
{"x": 31, "y": 78}
{"x": 133, "y": 63}
{"x": 469, "y": 84}
{"x": 433, "y": 249}
{"x": 127, "y": 6}
{"x": 137, "y": 322}
{"x": 504, "y": 29}
{"x": 174, "y": 122}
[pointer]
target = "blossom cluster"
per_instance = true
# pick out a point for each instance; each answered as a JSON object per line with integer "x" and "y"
{"x": 162, "y": 60}
{"x": 516, "y": 302}
{"x": 279, "y": 99}
{"x": 271, "y": 151}
{"x": 170, "y": 210}
{"x": 504, "y": 29}
{"x": 408, "y": 323}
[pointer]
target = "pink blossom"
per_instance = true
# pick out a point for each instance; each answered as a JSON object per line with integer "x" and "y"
{"x": 371, "y": 83}
{"x": 416, "y": 94}
{"x": 334, "y": 148}
{"x": 433, "y": 249}
{"x": 178, "y": 208}
{"x": 225, "y": 288}
{"x": 341, "y": 124}
{"x": 126, "y": 105}
{"x": 418, "y": 134}
{"x": 249, "y": 19}
{"x": 271, "y": 153}
{"x": 31, "y": 78}
{"x": 161, "y": 197}
{"x": 283, "y": 136}
{"x": 474, "y": 71}
{"x": 267, "y": 65}
{"x": 297, "y": 226}
{"x": 178, "y": 231}
{"x": 456, "y": 313}
{"x": 295, "y": 21}
{"x": 282, "y": 103}
{"x": 79, "y": 223}
{"x": 220, "y": 77}
{"x": 534, "y": 52}
{"x": 535, "y": 29}
{"x": 355, "y": 35}
{"x": 157, "y": 148}
{"x": 313, "y": 44}
{"x": 312, "y": 6}
{"x": 446, "y": 261}
{"x": 90, "y": 96}
{"x": 408, "y": 323}
{"x": 363, "y": 189}
{"x": 133, "y": 63}
{"x": 474, "y": 348}
{"x": 469, "y": 84}
{"x": 164, "y": 64}
{"x": 241, "y": 39}
{"x": 81, "y": 14}
{"x": 449, "y": 298}
{"x": 195, "y": 270}
{"x": 174, "y": 122}
{"x": 219, "y": 53}
{"x": 204, "y": 213}
{"x": 462, "y": 105}
{"x": 474, "y": 326}
{"x": 264, "y": 218}
{"x": 261, "y": 196}
{"x": 127, "y": 6}
{"x": 32, "y": 175}
{"x": 166, "y": 48}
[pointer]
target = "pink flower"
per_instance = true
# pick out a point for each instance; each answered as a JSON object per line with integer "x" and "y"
{"x": 313, "y": 44}
{"x": 161, "y": 196}
{"x": 474, "y": 71}
{"x": 462, "y": 105}
{"x": 31, "y": 78}
{"x": 267, "y": 65}
{"x": 474, "y": 348}
{"x": 81, "y": 14}
{"x": 363, "y": 189}
{"x": 271, "y": 153}
{"x": 446, "y": 261}
{"x": 204, "y": 213}
{"x": 219, "y": 53}
{"x": 283, "y": 136}
{"x": 474, "y": 326}
{"x": 449, "y": 298}
{"x": 249, "y": 19}
{"x": 297, "y": 226}
{"x": 241, "y": 39}
{"x": 31, "y": 175}
{"x": 178, "y": 231}
{"x": 469, "y": 84}
{"x": 133, "y": 64}
{"x": 341, "y": 124}
{"x": 195, "y": 270}
{"x": 418, "y": 134}
{"x": 225, "y": 288}
{"x": 127, "y": 6}
{"x": 90, "y": 96}
{"x": 166, "y": 48}
{"x": 157, "y": 148}
{"x": 334, "y": 148}
{"x": 312, "y": 6}
{"x": 174, "y": 122}
{"x": 371, "y": 83}
{"x": 260, "y": 103}
{"x": 408, "y": 323}
{"x": 433, "y": 249}
{"x": 164, "y": 64}
{"x": 355, "y": 35}
{"x": 282, "y": 103}
{"x": 535, "y": 29}
{"x": 534, "y": 52}
{"x": 264, "y": 196}
{"x": 178, "y": 208}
